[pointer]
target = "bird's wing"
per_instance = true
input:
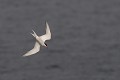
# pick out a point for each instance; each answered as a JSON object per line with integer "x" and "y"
{"x": 34, "y": 50}
{"x": 47, "y": 36}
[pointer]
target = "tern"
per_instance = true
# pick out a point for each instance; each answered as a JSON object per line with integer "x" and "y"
{"x": 40, "y": 41}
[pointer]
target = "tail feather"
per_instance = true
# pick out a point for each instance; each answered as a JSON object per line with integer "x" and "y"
{"x": 34, "y": 34}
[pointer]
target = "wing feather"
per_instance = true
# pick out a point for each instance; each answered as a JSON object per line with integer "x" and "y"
{"x": 34, "y": 50}
{"x": 47, "y": 36}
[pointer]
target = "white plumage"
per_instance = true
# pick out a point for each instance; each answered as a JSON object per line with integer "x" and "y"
{"x": 40, "y": 41}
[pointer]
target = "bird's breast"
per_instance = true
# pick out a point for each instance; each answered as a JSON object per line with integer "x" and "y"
{"x": 40, "y": 41}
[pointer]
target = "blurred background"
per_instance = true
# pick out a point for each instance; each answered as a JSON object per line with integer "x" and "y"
{"x": 85, "y": 42}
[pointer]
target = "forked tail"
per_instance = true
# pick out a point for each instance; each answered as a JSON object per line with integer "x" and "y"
{"x": 34, "y": 34}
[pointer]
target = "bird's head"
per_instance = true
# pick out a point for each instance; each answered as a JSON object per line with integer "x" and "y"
{"x": 45, "y": 45}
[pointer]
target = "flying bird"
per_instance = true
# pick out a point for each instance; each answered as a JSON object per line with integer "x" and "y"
{"x": 40, "y": 41}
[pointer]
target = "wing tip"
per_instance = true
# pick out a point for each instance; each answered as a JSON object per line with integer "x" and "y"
{"x": 24, "y": 55}
{"x": 46, "y": 24}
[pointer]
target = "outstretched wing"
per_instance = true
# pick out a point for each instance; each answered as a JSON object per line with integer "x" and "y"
{"x": 34, "y": 50}
{"x": 47, "y": 36}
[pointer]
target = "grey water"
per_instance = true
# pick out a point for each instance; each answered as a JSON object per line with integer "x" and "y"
{"x": 85, "y": 42}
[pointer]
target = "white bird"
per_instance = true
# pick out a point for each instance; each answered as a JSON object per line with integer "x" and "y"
{"x": 40, "y": 41}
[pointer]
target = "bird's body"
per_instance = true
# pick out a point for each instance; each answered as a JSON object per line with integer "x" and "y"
{"x": 40, "y": 41}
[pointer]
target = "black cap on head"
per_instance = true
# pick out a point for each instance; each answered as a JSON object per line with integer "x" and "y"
{"x": 45, "y": 44}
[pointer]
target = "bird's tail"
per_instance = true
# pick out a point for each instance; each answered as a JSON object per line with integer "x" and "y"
{"x": 34, "y": 34}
